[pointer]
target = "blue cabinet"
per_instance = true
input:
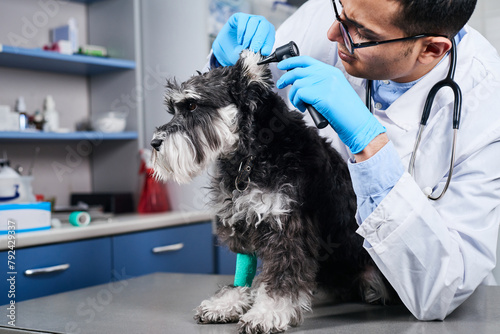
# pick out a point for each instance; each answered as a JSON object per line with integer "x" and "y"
{"x": 225, "y": 261}
{"x": 46, "y": 270}
{"x": 49, "y": 269}
{"x": 186, "y": 249}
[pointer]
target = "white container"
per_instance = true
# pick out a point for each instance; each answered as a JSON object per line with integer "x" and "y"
{"x": 10, "y": 184}
{"x": 26, "y": 190}
{"x": 9, "y": 120}
{"x": 20, "y": 104}
{"x": 24, "y": 217}
{"x": 50, "y": 115}
{"x": 21, "y": 113}
{"x": 15, "y": 188}
{"x": 67, "y": 32}
{"x": 110, "y": 122}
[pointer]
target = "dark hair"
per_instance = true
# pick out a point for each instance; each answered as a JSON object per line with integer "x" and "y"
{"x": 434, "y": 16}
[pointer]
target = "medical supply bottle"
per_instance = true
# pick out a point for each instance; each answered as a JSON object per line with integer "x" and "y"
{"x": 50, "y": 115}
{"x": 20, "y": 108}
{"x": 73, "y": 34}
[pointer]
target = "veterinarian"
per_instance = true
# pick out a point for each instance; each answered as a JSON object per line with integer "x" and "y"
{"x": 434, "y": 252}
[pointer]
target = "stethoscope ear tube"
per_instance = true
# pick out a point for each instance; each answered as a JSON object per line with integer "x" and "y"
{"x": 457, "y": 107}
{"x": 446, "y": 82}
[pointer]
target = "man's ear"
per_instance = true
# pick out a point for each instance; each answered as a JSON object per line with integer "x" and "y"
{"x": 433, "y": 48}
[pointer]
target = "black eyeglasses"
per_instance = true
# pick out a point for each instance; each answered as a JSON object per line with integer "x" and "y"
{"x": 351, "y": 46}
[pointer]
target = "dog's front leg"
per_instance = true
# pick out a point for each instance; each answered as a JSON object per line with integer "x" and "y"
{"x": 283, "y": 290}
{"x": 227, "y": 305}
{"x": 272, "y": 313}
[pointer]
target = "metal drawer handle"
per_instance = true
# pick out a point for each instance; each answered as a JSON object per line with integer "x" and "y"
{"x": 53, "y": 269}
{"x": 168, "y": 248}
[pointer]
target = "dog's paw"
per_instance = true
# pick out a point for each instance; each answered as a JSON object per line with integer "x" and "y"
{"x": 265, "y": 321}
{"x": 227, "y": 305}
{"x": 273, "y": 314}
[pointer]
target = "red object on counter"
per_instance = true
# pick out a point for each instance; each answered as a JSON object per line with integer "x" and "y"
{"x": 154, "y": 196}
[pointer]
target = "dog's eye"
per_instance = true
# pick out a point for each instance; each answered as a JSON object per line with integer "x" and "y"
{"x": 192, "y": 106}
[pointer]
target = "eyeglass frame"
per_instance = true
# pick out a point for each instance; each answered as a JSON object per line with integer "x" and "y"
{"x": 351, "y": 46}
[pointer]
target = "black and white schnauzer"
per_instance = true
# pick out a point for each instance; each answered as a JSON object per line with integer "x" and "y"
{"x": 280, "y": 191}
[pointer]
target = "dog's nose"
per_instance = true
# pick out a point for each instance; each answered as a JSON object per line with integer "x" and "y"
{"x": 156, "y": 143}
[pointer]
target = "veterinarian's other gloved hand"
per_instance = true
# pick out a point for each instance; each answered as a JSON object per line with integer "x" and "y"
{"x": 326, "y": 89}
{"x": 243, "y": 31}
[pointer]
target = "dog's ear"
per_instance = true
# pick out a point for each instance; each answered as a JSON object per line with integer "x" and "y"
{"x": 251, "y": 73}
{"x": 170, "y": 87}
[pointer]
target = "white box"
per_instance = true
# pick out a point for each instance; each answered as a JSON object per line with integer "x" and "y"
{"x": 27, "y": 217}
{"x": 68, "y": 32}
{"x": 9, "y": 121}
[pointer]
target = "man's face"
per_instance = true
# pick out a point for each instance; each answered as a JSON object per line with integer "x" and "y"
{"x": 372, "y": 20}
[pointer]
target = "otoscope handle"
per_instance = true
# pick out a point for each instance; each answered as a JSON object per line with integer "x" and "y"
{"x": 318, "y": 119}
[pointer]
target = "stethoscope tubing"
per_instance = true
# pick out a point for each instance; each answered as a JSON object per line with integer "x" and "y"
{"x": 457, "y": 108}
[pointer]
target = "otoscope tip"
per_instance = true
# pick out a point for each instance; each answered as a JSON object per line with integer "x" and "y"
{"x": 267, "y": 60}
{"x": 263, "y": 62}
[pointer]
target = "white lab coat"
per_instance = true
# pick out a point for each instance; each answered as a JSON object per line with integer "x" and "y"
{"x": 434, "y": 253}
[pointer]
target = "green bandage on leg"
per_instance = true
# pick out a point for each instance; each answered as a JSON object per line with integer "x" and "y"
{"x": 246, "y": 266}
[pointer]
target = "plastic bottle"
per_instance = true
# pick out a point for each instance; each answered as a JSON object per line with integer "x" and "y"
{"x": 21, "y": 109}
{"x": 50, "y": 115}
{"x": 73, "y": 34}
{"x": 10, "y": 182}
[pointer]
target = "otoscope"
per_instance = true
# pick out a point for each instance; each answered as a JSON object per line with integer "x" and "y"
{"x": 287, "y": 51}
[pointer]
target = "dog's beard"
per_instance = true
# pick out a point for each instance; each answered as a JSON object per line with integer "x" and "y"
{"x": 169, "y": 163}
{"x": 178, "y": 159}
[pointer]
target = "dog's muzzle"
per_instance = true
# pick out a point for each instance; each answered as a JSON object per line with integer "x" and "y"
{"x": 156, "y": 143}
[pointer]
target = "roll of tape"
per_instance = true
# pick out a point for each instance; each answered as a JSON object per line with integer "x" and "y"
{"x": 79, "y": 218}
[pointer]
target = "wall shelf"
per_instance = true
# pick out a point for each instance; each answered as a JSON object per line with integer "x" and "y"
{"x": 98, "y": 84}
{"x": 41, "y": 60}
{"x": 86, "y": 1}
{"x": 54, "y": 136}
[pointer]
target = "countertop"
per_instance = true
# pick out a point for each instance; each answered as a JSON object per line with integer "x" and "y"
{"x": 164, "y": 303}
{"x": 113, "y": 226}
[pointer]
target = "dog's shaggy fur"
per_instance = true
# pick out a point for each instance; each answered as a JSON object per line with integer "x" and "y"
{"x": 279, "y": 190}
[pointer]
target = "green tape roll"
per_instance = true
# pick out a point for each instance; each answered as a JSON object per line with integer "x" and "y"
{"x": 246, "y": 266}
{"x": 79, "y": 218}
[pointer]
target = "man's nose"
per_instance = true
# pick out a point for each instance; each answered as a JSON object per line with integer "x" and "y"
{"x": 156, "y": 143}
{"x": 334, "y": 34}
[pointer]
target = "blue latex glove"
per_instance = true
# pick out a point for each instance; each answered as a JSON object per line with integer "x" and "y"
{"x": 326, "y": 89}
{"x": 243, "y": 31}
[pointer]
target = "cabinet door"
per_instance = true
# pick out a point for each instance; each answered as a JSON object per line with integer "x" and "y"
{"x": 182, "y": 249}
{"x": 225, "y": 261}
{"x": 50, "y": 269}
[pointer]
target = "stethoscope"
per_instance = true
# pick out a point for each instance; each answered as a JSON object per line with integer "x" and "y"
{"x": 457, "y": 108}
